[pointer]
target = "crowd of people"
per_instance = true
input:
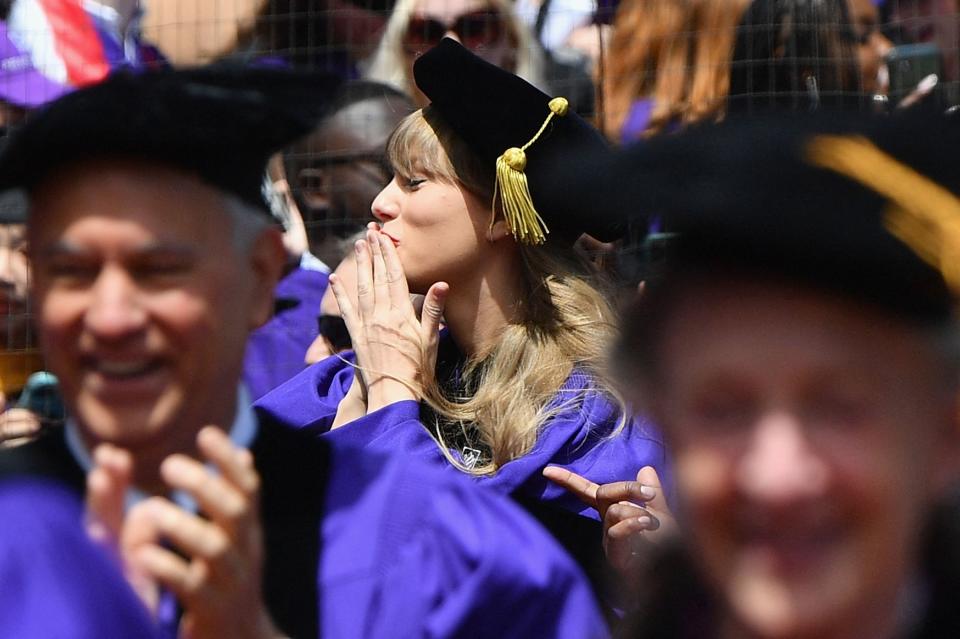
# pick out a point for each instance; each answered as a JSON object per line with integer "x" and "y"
{"x": 476, "y": 319}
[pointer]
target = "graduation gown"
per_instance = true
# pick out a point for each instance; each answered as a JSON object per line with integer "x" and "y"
{"x": 360, "y": 544}
{"x": 275, "y": 351}
{"x": 578, "y": 437}
{"x": 54, "y": 582}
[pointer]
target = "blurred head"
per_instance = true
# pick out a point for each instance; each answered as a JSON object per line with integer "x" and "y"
{"x": 794, "y": 55}
{"x": 491, "y": 29}
{"x": 14, "y": 282}
{"x": 437, "y": 208}
{"x": 872, "y": 46}
{"x": 811, "y": 436}
{"x": 336, "y": 171}
{"x": 673, "y": 52}
{"x": 147, "y": 283}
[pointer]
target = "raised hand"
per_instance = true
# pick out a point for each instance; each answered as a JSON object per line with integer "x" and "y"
{"x": 217, "y": 574}
{"x": 634, "y": 514}
{"x": 394, "y": 346}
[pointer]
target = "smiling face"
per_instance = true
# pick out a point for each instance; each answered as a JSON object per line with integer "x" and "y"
{"x": 809, "y": 438}
{"x": 144, "y": 302}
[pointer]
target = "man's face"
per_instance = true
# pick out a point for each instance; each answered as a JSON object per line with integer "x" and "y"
{"x": 143, "y": 302}
{"x": 809, "y": 437}
{"x": 14, "y": 280}
{"x": 338, "y": 171}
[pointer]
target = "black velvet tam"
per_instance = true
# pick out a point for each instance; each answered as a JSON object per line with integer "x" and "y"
{"x": 220, "y": 123}
{"x": 493, "y": 110}
{"x": 864, "y": 208}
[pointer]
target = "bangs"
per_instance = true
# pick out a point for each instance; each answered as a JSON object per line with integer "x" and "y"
{"x": 414, "y": 149}
{"x": 424, "y": 145}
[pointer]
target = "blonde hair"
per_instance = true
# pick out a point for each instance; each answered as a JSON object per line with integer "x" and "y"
{"x": 389, "y": 62}
{"x": 563, "y": 321}
{"x": 676, "y": 53}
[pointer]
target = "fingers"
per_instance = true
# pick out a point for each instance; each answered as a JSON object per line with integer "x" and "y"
{"x": 232, "y": 510}
{"x": 623, "y": 511}
{"x": 584, "y": 489}
{"x": 234, "y": 462}
{"x": 183, "y": 578}
{"x": 365, "y": 292}
{"x": 648, "y": 477}
{"x": 107, "y": 485}
{"x": 430, "y": 316}
{"x": 626, "y": 491}
{"x": 381, "y": 286}
{"x": 396, "y": 278}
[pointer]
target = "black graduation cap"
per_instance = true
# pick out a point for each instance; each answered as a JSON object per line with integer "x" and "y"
{"x": 221, "y": 123}
{"x": 521, "y": 132}
{"x": 864, "y": 208}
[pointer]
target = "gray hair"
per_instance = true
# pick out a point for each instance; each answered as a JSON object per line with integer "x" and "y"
{"x": 247, "y": 221}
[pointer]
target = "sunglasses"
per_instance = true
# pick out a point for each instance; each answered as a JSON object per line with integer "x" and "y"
{"x": 476, "y": 29}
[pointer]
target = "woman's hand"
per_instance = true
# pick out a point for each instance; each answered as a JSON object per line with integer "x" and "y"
{"x": 634, "y": 514}
{"x": 391, "y": 343}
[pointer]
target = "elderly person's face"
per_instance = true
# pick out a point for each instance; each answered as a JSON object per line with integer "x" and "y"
{"x": 810, "y": 437}
{"x": 143, "y": 299}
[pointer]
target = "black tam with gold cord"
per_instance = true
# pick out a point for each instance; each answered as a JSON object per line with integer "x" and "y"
{"x": 220, "y": 123}
{"x": 522, "y": 134}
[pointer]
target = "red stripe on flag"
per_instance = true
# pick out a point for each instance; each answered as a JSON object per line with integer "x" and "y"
{"x": 76, "y": 41}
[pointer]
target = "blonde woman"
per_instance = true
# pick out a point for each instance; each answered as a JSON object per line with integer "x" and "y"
{"x": 515, "y": 382}
{"x": 490, "y": 29}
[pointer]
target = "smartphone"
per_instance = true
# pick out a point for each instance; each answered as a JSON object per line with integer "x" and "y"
{"x": 41, "y": 394}
{"x": 908, "y": 64}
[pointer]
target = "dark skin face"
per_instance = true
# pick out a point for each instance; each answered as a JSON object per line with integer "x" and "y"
{"x": 338, "y": 171}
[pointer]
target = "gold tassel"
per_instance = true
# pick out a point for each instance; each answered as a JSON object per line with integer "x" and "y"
{"x": 512, "y": 190}
{"x": 922, "y": 214}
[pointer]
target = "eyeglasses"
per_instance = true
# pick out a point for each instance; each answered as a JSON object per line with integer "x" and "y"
{"x": 476, "y": 29}
{"x": 372, "y": 164}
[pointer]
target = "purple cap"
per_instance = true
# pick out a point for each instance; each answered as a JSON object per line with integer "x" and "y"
{"x": 21, "y": 83}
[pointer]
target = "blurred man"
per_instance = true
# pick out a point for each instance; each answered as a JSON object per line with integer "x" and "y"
{"x": 801, "y": 357}
{"x": 154, "y": 258}
{"x": 337, "y": 171}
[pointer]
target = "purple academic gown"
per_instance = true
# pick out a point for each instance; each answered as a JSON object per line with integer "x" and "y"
{"x": 275, "y": 351}
{"x": 409, "y": 551}
{"x": 577, "y": 438}
{"x": 358, "y": 544}
{"x": 53, "y": 581}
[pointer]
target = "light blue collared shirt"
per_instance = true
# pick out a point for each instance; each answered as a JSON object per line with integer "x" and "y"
{"x": 242, "y": 433}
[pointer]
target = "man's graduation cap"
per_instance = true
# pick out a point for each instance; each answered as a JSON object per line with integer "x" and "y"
{"x": 864, "y": 209}
{"x": 219, "y": 123}
{"x": 519, "y": 132}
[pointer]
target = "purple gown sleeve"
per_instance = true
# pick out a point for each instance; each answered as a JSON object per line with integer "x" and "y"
{"x": 418, "y": 553}
{"x": 275, "y": 351}
{"x": 53, "y": 581}
{"x": 582, "y": 436}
